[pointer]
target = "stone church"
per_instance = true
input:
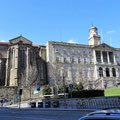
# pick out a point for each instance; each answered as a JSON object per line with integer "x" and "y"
{"x": 22, "y": 64}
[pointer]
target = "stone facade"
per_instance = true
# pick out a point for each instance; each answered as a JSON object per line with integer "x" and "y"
{"x": 96, "y": 65}
{"x": 22, "y": 64}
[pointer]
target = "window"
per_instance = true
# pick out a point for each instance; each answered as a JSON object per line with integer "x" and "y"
{"x": 22, "y": 57}
{"x": 111, "y": 57}
{"x": 100, "y": 72}
{"x": 73, "y": 59}
{"x": 85, "y": 60}
{"x": 107, "y": 72}
{"x": 79, "y": 60}
{"x": 114, "y": 72}
{"x": 98, "y": 56}
{"x": 65, "y": 59}
{"x": 57, "y": 59}
{"x": 105, "y": 57}
{"x": 90, "y": 60}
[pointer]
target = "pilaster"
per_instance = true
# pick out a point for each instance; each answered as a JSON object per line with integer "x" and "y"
{"x": 108, "y": 58}
{"x": 101, "y": 57}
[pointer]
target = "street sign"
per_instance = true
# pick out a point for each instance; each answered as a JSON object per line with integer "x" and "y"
{"x": 35, "y": 92}
{"x": 37, "y": 87}
{"x": 70, "y": 86}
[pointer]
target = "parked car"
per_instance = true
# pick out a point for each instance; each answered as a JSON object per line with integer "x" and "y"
{"x": 103, "y": 115}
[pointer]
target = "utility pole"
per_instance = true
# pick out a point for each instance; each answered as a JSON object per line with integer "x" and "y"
{"x": 64, "y": 89}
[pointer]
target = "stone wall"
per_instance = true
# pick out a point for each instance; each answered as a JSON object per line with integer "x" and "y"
{"x": 88, "y": 103}
{"x": 7, "y": 92}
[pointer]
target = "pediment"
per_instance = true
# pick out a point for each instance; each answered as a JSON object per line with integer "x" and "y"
{"x": 21, "y": 40}
{"x": 104, "y": 47}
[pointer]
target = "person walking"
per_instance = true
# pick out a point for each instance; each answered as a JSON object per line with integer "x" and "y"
{"x": 3, "y": 102}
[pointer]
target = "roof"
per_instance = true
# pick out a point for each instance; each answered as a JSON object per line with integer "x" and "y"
{"x": 4, "y": 43}
{"x": 20, "y": 39}
{"x": 69, "y": 44}
{"x": 105, "y": 45}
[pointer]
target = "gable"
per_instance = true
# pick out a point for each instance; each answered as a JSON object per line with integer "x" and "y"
{"x": 20, "y": 39}
{"x": 104, "y": 47}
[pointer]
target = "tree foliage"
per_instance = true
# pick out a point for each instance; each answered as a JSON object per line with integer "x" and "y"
{"x": 76, "y": 87}
{"x": 47, "y": 90}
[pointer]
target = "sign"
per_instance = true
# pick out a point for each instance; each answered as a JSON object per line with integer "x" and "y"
{"x": 37, "y": 87}
{"x": 70, "y": 86}
{"x": 35, "y": 92}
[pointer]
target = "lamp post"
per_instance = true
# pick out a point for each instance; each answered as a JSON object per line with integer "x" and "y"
{"x": 64, "y": 86}
{"x": 64, "y": 89}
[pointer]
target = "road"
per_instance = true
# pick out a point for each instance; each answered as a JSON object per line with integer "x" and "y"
{"x": 31, "y": 114}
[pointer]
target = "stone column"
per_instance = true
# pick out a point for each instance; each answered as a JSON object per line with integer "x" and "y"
{"x": 111, "y": 74}
{"x": 96, "y": 73}
{"x": 7, "y": 63}
{"x": 13, "y": 57}
{"x": 117, "y": 72}
{"x": 108, "y": 58}
{"x": 104, "y": 72}
{"x": 27, "y": 64}
{"x": 114, "y": 59}
{"x": 16, "y": 57}
{"x": 101, "y": 57}
{"x": 95, "y": 57}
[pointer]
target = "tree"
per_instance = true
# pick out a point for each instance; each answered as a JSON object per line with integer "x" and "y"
{"x": 47, "y": 90}
{"x": 29, "y": 80}
{"x": 77, "y": 87}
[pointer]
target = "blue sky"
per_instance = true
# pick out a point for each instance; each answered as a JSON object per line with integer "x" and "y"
{"x": 60, "y": 20}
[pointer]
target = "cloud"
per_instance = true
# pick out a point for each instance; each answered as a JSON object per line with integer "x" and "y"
{"x": 2, "y": 41}
{"x": 71, "y": 41}
{"x": 111, "y": 31}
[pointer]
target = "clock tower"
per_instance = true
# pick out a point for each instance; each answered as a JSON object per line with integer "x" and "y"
{"x": 94, "y": 38}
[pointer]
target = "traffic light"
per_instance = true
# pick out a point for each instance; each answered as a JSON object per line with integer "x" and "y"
{"x": 67, "y": 90}
{"x": 38, "y": 87}
{"x": 20, "y": 91}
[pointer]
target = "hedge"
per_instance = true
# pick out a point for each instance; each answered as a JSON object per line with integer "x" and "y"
{"x": 86, "y": 93}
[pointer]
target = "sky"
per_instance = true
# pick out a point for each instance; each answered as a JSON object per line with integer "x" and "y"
{"x": 60, "y": 20}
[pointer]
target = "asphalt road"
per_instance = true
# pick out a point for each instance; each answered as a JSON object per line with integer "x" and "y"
{"x": 31, "y": 114}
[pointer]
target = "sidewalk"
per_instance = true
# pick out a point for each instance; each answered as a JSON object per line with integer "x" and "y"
{"x": 15, "y": 106}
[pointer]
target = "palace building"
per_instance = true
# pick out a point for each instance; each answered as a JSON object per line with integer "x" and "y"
{"x": 96, "y": 65}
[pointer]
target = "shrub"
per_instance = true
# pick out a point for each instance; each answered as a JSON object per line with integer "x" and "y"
{"x": 47, "y": 90}
{"x": 87, "y": 93}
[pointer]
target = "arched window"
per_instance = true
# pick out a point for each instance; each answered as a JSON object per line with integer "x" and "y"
{"x": 114, "y": 72}
{"x": 72, "y": 59}
{"x": 107, "y": 72}
{"x": 100, "y": 72}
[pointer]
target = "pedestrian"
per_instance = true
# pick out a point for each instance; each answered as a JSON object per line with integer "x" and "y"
{"x": 3, "y": 102}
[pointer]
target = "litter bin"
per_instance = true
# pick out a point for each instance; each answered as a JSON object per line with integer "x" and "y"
{"x": 33, "y": 104}
{"x": 56, "y": 104}
{"x": 47, "y": 104}
{"x": 40, "y": 104}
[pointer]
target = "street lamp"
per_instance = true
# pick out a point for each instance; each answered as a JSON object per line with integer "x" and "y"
{"x": 64, "y": 86}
